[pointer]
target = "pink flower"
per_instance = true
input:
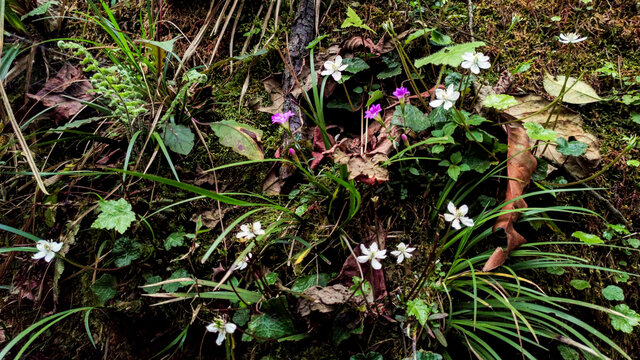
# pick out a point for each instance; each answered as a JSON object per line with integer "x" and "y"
{"x": 401, "y": 92}
{"x": 373, "y": 111}
{"x": 281, "y": 118}
{"x": 292, "y": 152}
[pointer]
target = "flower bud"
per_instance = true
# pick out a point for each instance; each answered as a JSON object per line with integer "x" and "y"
{"x": 405, "y": 140}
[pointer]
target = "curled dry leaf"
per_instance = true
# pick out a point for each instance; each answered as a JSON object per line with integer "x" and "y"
{"x": 568, "y": 125}
{"x": 520, "y": 167}
{"x": 323, "y": 299}
{"x": 59, "y": 91}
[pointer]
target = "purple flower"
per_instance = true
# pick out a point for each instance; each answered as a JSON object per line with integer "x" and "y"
{"x": 401, "y": 92}
{"x": 373, "y": 111}
{"x": 404, "y": 137}
{"x": 281, "y": 118}
{"x": 292, "y": 152}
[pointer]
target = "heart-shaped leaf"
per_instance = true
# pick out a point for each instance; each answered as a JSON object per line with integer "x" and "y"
{"x": 571, "y": 148}
{"x": 242, "y": 138}
{"x": 178, "y": 138}
{"x": 579, "y": 91}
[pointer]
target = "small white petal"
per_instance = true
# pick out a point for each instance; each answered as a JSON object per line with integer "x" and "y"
{"x": 451, "y": 207}
{"x": 400, "y": 258}
{"x": 456, "y": 224}
{"x": 337, "y": 76}
{"x": 468, "y": 56}
{"x": 376, "y": 264}
{"x": 449, "y": 217}
{"x": 464, "y": 209}
{"x": 373, "y": 248}
{"x": 337, "y": 61}
{"x": 230, "y": 328}
{"x": 220, "y": 338}
{"x": 326, "y": 72}
{"x": 343, "y": 67}
{"x": 440, "y": 93}
{"x": 328, "y": 65}
{"x": 39, "y": 255}
{"x": 396, "y": 253}
{"x": 362, "y": 259}
{"x": 436, "y": 103}
{"x": 448, "y": 105}
{"x": 212, "y": 328}
{"x": 475, "y": 69}
{"x": 454, "y": 96}
{"x": 56, "y": 246}
{"x": 466, "y": 221}
{"x": 466, "y": 64}
{"x": 382, "y": 254}
{"x": 50, "y": 255}
{"x": 364, "y": 250}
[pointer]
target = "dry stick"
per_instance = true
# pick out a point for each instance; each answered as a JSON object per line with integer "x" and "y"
{"x": 470, "y": 12}
{"x": 233, "y": 32}
{"x": 278, "y": 3}
{"x": 196, "y": 41}
{"x": 221, "y": 35}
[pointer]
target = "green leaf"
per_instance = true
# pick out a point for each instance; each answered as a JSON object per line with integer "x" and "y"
{"x": 634, "y": 243}
{"x": 456, "y": 158}
{"x": 522, "y": 67}
{"x": 308, "y": 281}
{"x": 374, "y": 96}
{"x": 172, "y": 287}
{"x": 555, "y": 270}
{"x": 454, "y": 172}
{"x": 114, "y": 214}
{"x": 353, "y": 20}
{"x": 241, "y": 317}
{"x": 499, "y": 101}
{"x": 355, "y": 64}
{"x": 451, "y": 55}
{"x": 40, "y": 10}
{"x": 425, "y": 355}
{"x": 568, "y": 353}
{"x": 588, "y": 239}
{"x": 369, "y": 356}
{"x": 127, "y": 250}
{"x": 580, "y": 284}
{"x": 537, "y": 132}
{"x": 619, "y": 228}
{"x": 419, "y": 310}
{"x": 414, "y": 119}
{"x": 176, "y": 239}
{"x": 104, "y": 288}
{"x": 152, "y": 280}
{"x": 626, "y": 323}
{"x": 580, "y": 93}
{"x": 178, "y": 138}
{"x": 571, "y": 148}
{"x": 164, "y": 45}
{"x": 613, "y": 293}
{"x": 243, "y": 139}
{"x": 315, "y": 41}
{"x": 416, "y": 34}
{"x": 635, "y": 117}
{"x": 271, "y": 327}
{"x": 440, "y": 39}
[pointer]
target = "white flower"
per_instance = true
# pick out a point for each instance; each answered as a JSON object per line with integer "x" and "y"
{"x": 249, "y": 231}
{"x": 243, "y": 263}
{"x": 372, "y": 254}
{"x": 475, "y": 61}
{"x": 222, "y": 327}
{"x": 334, "y": 68}
{"x": 571, "y": 38}
{"x": 402, "y": 252}
{"x": 47, "y": 249}
{"x": 446, "y": 97}
{"x": 457, "y": 216}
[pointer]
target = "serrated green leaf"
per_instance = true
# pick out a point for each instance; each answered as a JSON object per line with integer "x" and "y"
{"x": 589, "y": 239}
{"x": 537, "y": 132}
{"x": 419, "y": 310}
{"x": 114, "y": 214}
{"x": 308, "y": 281}
{"x": 580, "y": 284}
{"x": 499, "y": 101}
{"x": 242, "y": 138}
{"x": 635, "y": 117}
{"x": 355, "y": 65}
{"x": 241, "y": 317}
{"x": 271, "y": 327}
{"x": 152, "y": 280}
{"x": 175, "y": 239}
{"x": 414, "y": 119}
{"x": 580, "y": 93}
{"x": 571, "y": 148}
{"x": 451, "y": 55}
{"x": 178, "y": 138}
{"x": 127, "y": 250}
{"x": 613, "y": 293}
{"x": 353, "y": 20}
{"x": 172, "y": 287}
{"x": 626, "y": 323}
{"x": 104, "y": 288}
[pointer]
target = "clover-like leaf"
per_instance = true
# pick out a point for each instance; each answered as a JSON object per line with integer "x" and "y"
{"x": 114, "y": 214}
{"x": 571, "y": 148}
{"x": 499, "y": 101}
{"x": 537, "y": 132}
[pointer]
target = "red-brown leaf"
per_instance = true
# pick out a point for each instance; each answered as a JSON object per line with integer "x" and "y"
{"x": 520, "y": 167}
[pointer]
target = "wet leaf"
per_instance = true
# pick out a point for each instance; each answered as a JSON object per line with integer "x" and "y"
{"x": 308, "y": 281}
{"x": 580, "y": 93}
{"x": 242, "y": 138}
{"x": 588, "y": 239}
{"x": 178, "y": 274}
{"x": 355, "y": 65}
{"x": 568, "y": 353}
{"x": 413, "y": 118}
{"x": 152, "y": 280}
{"x": 175, "y": 239}
{"x": 178, "y": 138}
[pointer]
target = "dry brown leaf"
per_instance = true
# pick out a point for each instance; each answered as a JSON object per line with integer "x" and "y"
{"x": 68, "y": 82}
{"x": 568, "y": 125}
{"x": 323, "y": 299}
{"x": 210, "y": 218}
{"x": 520, "y": 167}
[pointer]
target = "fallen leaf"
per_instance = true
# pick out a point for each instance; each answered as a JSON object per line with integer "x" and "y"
{"x": 243, "y": 139}
{"x": 579, "y": 91}
{"x": 210, "y": 218}
{"x": 323, "y": 299}
{"x": 520, "y": 167}
{"x": 568, "y": 125}
{"x": 68, "y": 82}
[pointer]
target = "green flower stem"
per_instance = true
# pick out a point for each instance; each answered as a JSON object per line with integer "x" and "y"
{"x": 348, "y": 97}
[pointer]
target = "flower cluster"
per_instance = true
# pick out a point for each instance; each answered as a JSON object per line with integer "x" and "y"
{"x": 281, "y": 118}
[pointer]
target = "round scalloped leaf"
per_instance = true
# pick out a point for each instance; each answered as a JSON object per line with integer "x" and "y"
{"x": 613, "y": 293}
